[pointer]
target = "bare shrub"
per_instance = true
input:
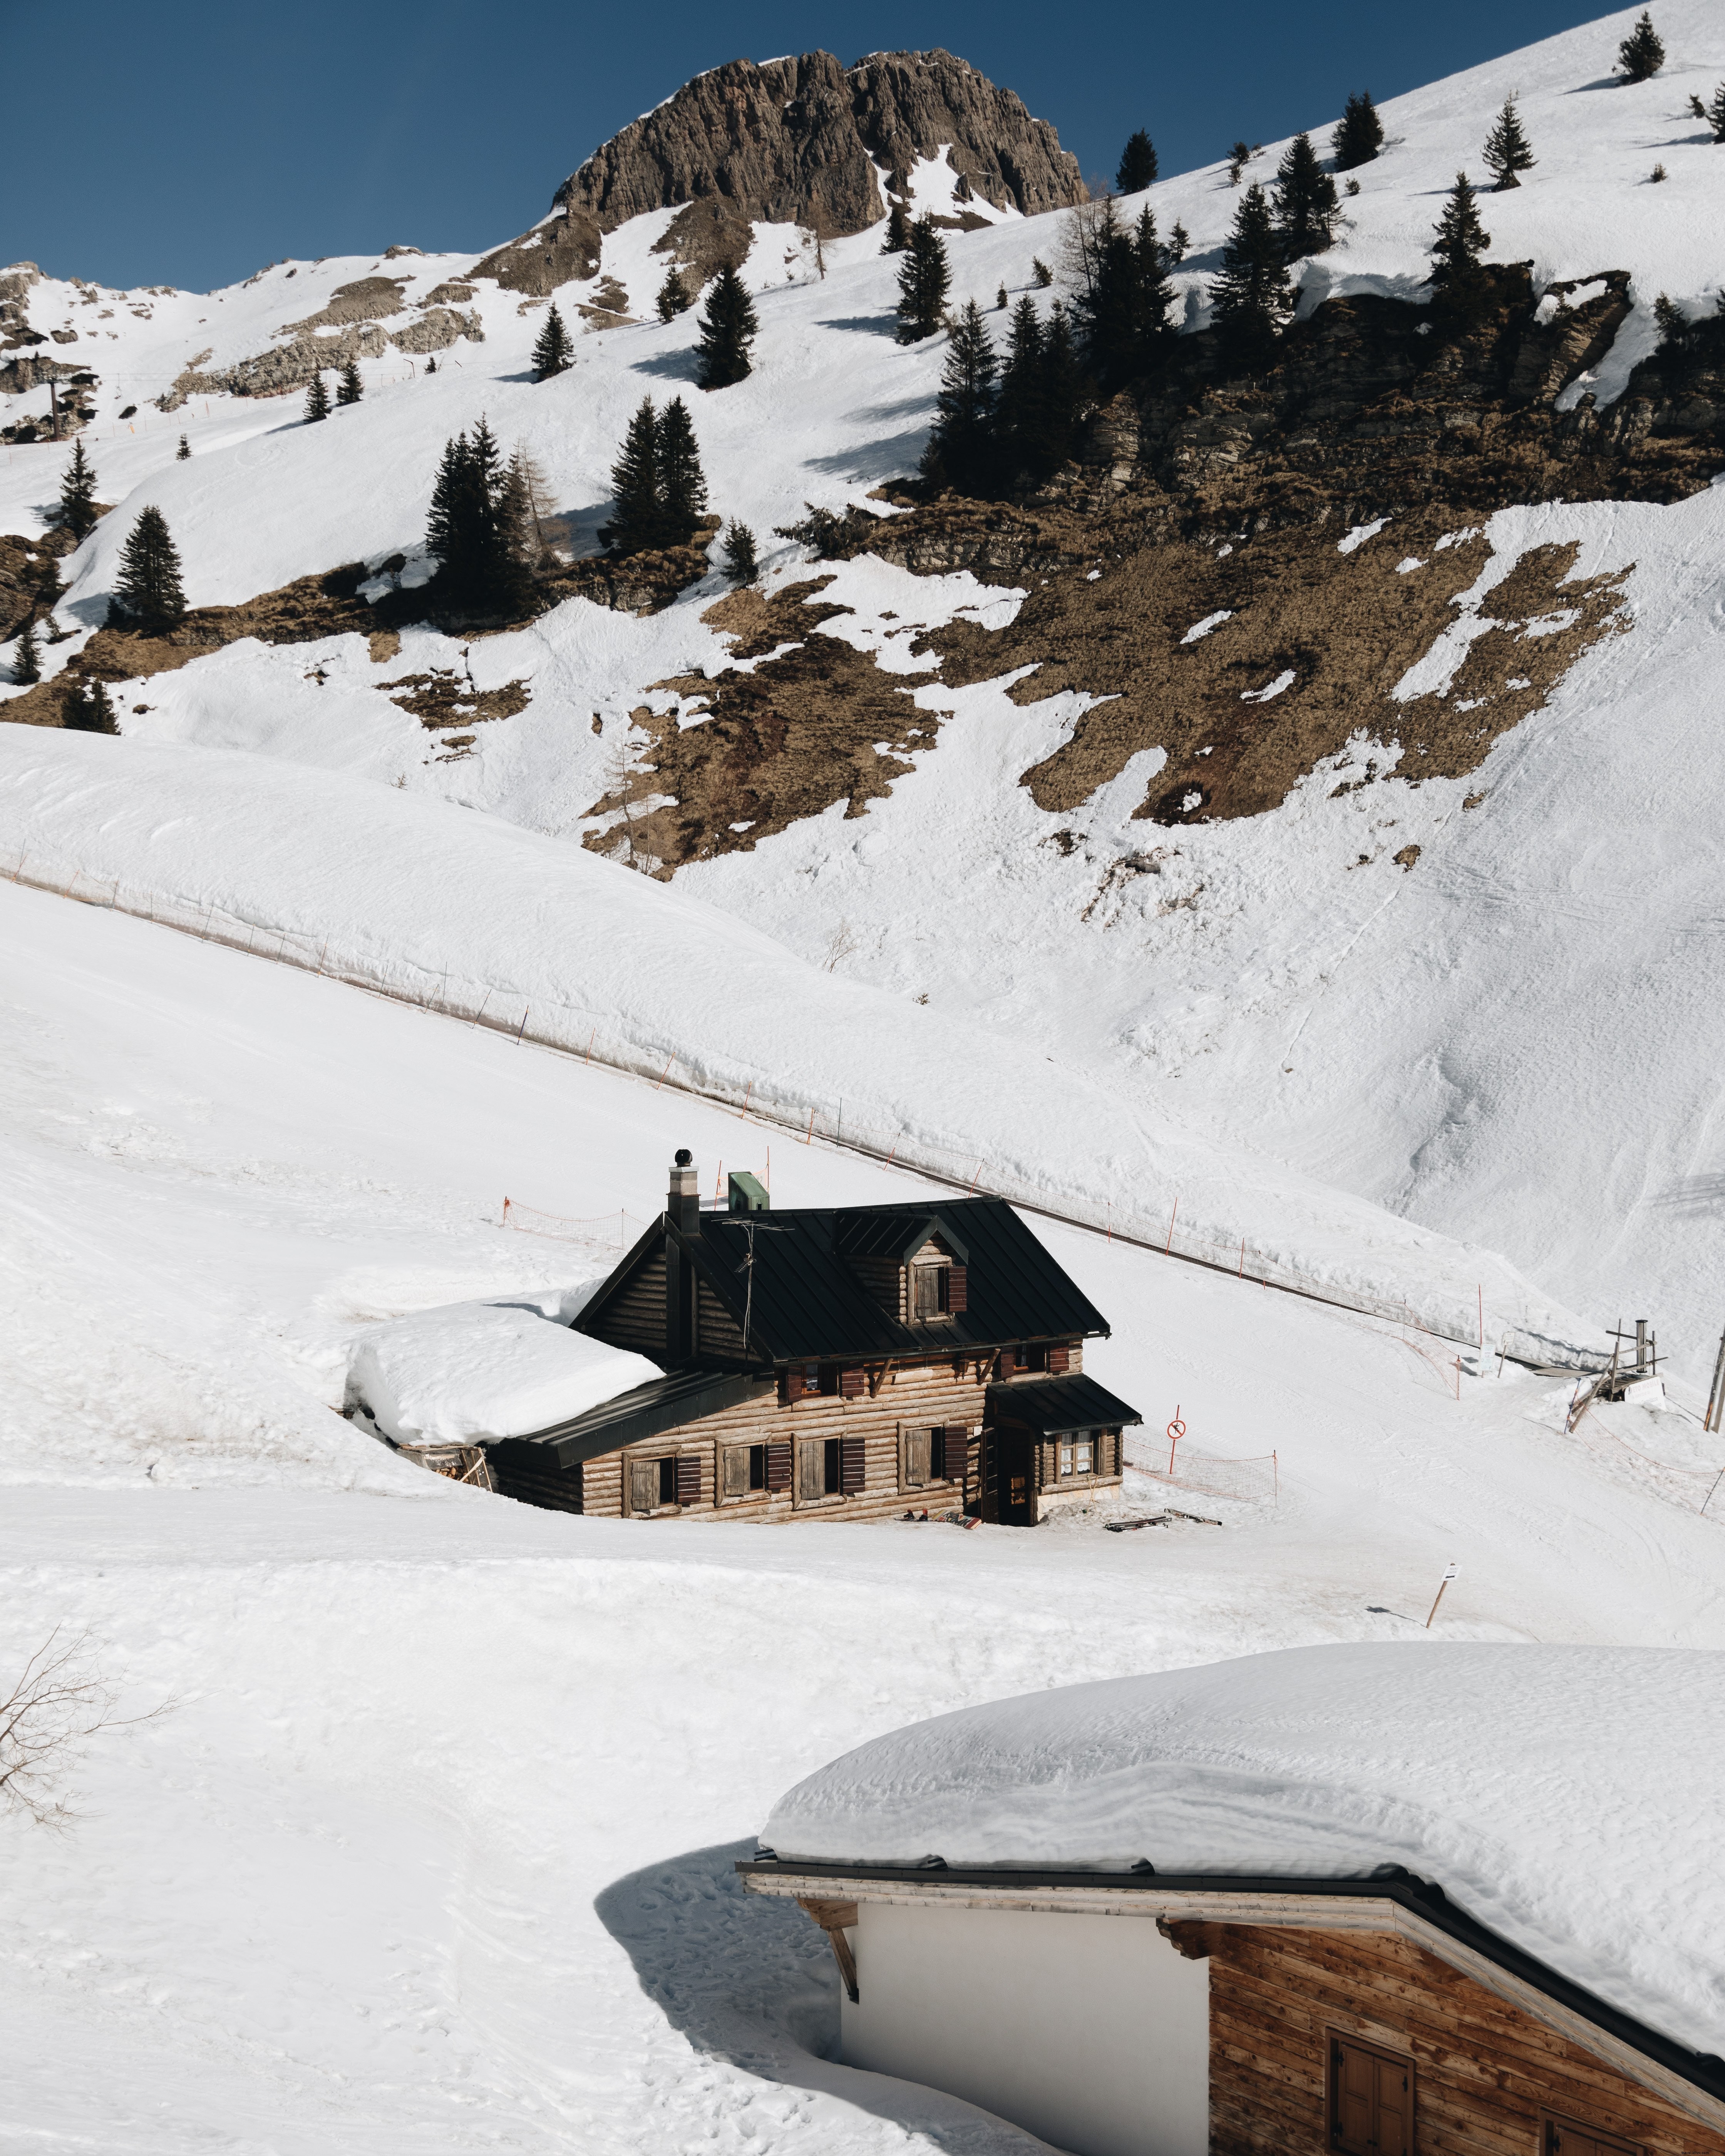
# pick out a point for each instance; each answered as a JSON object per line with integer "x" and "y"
{"x": 59, "y": 1703}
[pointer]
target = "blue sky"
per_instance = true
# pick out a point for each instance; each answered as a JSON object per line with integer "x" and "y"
{"x": 189, "y": 143}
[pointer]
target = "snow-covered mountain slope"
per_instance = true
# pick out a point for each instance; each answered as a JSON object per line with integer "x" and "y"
{"x": 1508, "y": 1034}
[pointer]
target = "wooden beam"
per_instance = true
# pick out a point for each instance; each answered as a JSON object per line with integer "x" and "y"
{"x": 833, "y": 1917}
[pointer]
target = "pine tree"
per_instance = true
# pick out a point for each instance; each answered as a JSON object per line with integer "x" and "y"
{"x": 183, "y": 453}
{"x": 673, "y": 296}
{"x": 317, "y": 401}
{"x": 922, "y": 283}
{"x": 86, "y": 709}
{"x": 898, "y": 230}
{"x": 1251, "y": 298}
{"x": 1713, "y": 112}
{"x": 1062, "y": 393}
{"x": 727, "y": 329}
{"x": 740, "y": 563}
{"x": 1138, "y": 164}
{"x": 1306, "y": 202}
{"x": 1460, "y": 289}
{"x": 508, "y": 582}
{"x": 1040, "y": 273}
{"x": 635, "y": 487}
{"x": 1239, "y": 157}
{"x": 1673, "y": 323}
{"x": 448, "y": 526}
{"x": 147, "y": 590}
{"x": 349, "y": 389}
{"x": 1000, "y": 300}
{"x": 1359, "y": 133}
{"x": 552, "y": 351}
{"x": 480, "y": 527}
{"x": 1018, "y": 415}
{"x": 77, "y": 495}
{"x": 1641, "y": 56}
{"x": 961, "y": 452}
{"x": 1124, "y": 317}
{"x": 431, "y": 363}
{"x": 681, "y": 484}
{"x": 27, "y": 666}
{"x": 1508, "y": 151}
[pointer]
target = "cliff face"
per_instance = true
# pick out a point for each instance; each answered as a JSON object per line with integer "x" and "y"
{"x": 799, "y": 141}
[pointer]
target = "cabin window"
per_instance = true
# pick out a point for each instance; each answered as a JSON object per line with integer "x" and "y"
{"x": 1078, "y": 1454}
{"x": 1371, "y": 2099}
{"x": 931, "y": 1455}
{"x": 1055, "y": 1361}
{"x": 745, "y": 1470}
{"x": 931, "y": 1290}
{"x": 654, "y": 1484}
{"x": 1567, "y": 2137}
{"x": 828, "y": 1467}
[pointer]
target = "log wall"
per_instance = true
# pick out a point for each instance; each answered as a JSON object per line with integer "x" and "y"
{"x": 1485, "y": 2073}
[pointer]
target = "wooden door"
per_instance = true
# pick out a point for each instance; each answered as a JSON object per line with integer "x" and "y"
{"x": 1015, "y": 1479}
{"x": 1371, "y": 2099}
{"x": 1567, "y": 2137}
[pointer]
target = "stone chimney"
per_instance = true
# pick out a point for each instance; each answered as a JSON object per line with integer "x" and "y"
{"x": 683, "y": 1203}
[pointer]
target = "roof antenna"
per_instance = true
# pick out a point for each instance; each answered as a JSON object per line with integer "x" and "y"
{"x": 754, "y": 1225}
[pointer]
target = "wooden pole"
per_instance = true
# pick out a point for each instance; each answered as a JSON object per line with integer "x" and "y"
{"x": 1715, "y": 1397}
{"x": 1449, "y": 1574}
{"x": 808, "y": 1135}
{"x": 1172, "y": 1218}
{"x": 522, "y": 1028}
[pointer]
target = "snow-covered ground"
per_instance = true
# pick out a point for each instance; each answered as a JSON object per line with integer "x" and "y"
{"x": 434, "y": 1851}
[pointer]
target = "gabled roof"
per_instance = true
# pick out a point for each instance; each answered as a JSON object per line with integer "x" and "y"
{"x": 809, "y": 1305}
{"x": 1052, "y": 1406}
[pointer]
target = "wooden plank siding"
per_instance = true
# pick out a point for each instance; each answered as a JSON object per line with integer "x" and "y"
{"x": 636, "y": 1317}
{"x": 1485, "y": 2073}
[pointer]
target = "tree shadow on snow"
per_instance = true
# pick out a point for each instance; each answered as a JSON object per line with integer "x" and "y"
{"x": 894, "y": 456}
{"x": 1693, "y": 1197}
{"x": 748, "y": 1979}
{"x": 670, "y": 366}
{"x": 868, "y": 325}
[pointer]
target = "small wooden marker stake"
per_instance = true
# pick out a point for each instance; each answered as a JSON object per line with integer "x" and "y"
{"x": 1449, "y": 1574}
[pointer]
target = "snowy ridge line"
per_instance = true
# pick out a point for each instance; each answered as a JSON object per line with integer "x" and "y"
{"x": 620, "y": 1052}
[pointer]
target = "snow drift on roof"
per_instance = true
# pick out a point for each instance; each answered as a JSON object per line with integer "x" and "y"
{"x": 1564, "y": 1796}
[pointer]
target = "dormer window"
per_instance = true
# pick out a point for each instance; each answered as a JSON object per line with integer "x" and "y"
{"x": 932, "y": 1289}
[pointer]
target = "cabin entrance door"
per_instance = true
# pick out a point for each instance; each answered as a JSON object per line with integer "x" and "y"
{"x": 1014, "y": 1481}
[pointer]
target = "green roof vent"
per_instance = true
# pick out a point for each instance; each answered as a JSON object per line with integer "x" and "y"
{"x": 747, "y": 1195}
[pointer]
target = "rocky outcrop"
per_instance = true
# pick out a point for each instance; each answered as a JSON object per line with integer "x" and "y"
{"x": 286, "y": 368}
{"x": 15, "y": 285}
{"x": 564, "y": 250}
{"x": 365, "y": 300}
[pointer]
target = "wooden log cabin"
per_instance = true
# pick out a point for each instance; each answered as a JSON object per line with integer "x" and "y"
{"x": 834, "y": 1363}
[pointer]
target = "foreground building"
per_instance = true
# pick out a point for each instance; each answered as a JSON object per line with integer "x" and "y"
{"x": 834, "y": 1363}
{"x": 1184, "y": 1914}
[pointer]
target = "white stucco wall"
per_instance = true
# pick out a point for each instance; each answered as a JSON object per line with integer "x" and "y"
{"x": 1091, "y": 2031}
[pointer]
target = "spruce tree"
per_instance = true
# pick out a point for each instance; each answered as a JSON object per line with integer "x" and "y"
{"x": 1041, "y": 275}
{"x": 349, "y": 389}
{"x": 1239, "y": 157}
{"x": 1306, "y": 203}
{"x": 1508, "y": 151}
{"x": 1124, "y": 315}
{"x": 1460, "y": 290}
{"x": 1138, "y": 164}
{"x": 317, "y": 401}
{"x": 147, "y": 590}
{"x": 86, "y": 709}
{"x": 431, "y": 363}
{"x": 635, "y": 487}
{"x": 1018, "y": 409}
{"x": 922, "y": 283}
{"x": 1251, "y": 298}
{"x": 739, "y": 552}
{"x": 183, "y": 453}
{"x": 27, "y": 666}
{"x": 898, "y": 230}
{"x": 508, "y": 582}
{"x": 449, "y": 524}
{"x": 961, "y": 452}
{"x": 1062, "y": 393}
{"x": 77, "y": 495}
{"x": 1359, "y": 133}
{"x": 727, "y": 328}
{"x": 681, "y": 484}
{"x": 552, "y": 351}
{"x": 673, "y": 296}
{"x": 1713, "y": 112}
{"x": 1641, "y": 56}
{"x": 480, "y": 529}
{"x": 1000, "y": 300}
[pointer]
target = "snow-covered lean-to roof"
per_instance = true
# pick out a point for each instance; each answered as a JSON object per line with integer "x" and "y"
{"x": 1567, "y": 1797}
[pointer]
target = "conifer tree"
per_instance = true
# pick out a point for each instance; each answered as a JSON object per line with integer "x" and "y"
{"x": 1460, "y": 290}
{"x": 509, "y": 583}
{"x": 1713, "y": 112}
{"x": 1508, "y": 151}
{"x": 552, "y": 351}
{"x": 1251, "y": 298}
{"x": 898, "y": 230}
{"x": 147, "y": 590}
{"x": 1239, "y": 157}
{"x": 317, "y": 400}
{"x": 349, "y": 389}
{"x": 1042, "y": 275}
{"x": 961, "y": 452}
{"x": 673, "y": 296}
{"x": 727, "y": 329}
{"x": 182, "y": 454}
{"x": 922, "y": 283}
{"x": 449, "y": 523}
{"x": 431, "y": 363}
{"x": 1358, "y": 134}
{"x": 1124, "y": 317}
{"x": 1306, "y": 202}
{"x": 1062, "y": 393}
{"x": 1641, "y": 56}
{"x": 77, "y": 495}
{"x": 635, "y": 487}
{"x": 27, "y": 666}
{"x": 682, "y": 484}
{"x": 1673, "y": 323}
{"x": 480, "y": 526}
{"x": 87, "y": 708}
{"x": 1138, "y": 164}
{"x": 1000, "y": 300}
{"x": 739, "y": 551}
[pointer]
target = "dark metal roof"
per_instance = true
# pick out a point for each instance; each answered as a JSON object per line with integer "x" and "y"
{"x": 661, "y": 1404}
{"x": 809, "y": 1305}
{"x": 1051, "y": 1406}
{"x": 892, "y": 1234}
{"x": 1390, "y": 1883}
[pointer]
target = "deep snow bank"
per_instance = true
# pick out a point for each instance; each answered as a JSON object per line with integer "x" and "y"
{"x": 1516, "y": 1777}
{"x": 468, "y": 915}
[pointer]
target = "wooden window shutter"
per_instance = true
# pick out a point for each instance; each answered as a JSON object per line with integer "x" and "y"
{"x": 643, "y": 1486}
{"x": 1005, "y": 1363}
{"x": 957, "y": 1289}
{"x": 688, "y": 1478}
{"x": 811, "y": 1469}
{"x": 1058, "y": 1360}
{"x": 851, "y": 1463}
{"x": 916, "y": 1467}
{"x": 737, "y": 1470}
{"x": 1371, "y": 2099}
{"x": 853, "y": 1384}
{"x": 778, "y": 1467}
{"x": 1563, "y": 2137}
{"x": 790, "y": 1383}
